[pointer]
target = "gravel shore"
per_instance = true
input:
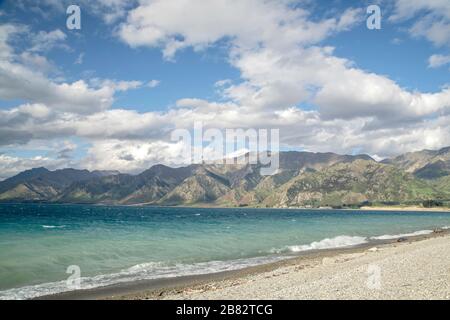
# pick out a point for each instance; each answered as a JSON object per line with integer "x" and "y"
{"x": 407, "y": 270}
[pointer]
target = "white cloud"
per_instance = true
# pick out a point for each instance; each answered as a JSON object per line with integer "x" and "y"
{"x": 438, "y": 60}
{"x": 21, "y": 77}
{"x": 437, "y": 32}
{"x": 433, "y": 19}
{"x": 278, "y": 68}
{"x": 115, "y": 85}
{"x": 37, "y": 62}
{"x": 406, "y": 9}
{"x": 131, "y": 141}
{"x": 165, "y": 23}
{"x": 281, "y": 71}
{"x": 37, "y": 111}
{"x": 65, "y": 150}
{"x": 7, "y": 31}
{"x": 110, "y": 10}
{"x": 80, "y": 58}
{"x": 222, "y": 83}
{"x": 19, "y": 82}
{"x": 283, "y": 65}
{"x": 44, "y": 41}
{"x": 10, "y": 165}
{"x": 153, "y": 83}
{"x": 132, "y": 156}
{"x": 396, "y": 41}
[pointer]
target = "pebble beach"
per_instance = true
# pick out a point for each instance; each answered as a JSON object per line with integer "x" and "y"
{"x": 407, "y": 270}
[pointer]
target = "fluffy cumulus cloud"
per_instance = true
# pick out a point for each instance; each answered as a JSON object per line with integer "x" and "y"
{"x": 22, "y": 77}
{"x": 166, "y": 23}
{"x": 279, "y": 67}
{"x": 19, "y": 82}
{"x": 284, "y": 67}
{"x": 12, "y": 165}
{"x": 433, "y": 20}
{"x": 135, "y": 155}
{"x": 111, "y": 10}
{"x": 44, "y": 41}
{"x": 438, "y": 60}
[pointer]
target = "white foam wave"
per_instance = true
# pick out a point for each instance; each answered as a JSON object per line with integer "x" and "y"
{"x": 330, "y": 243}
{"x": 144, "y": 271}
{"x": 52, "y": 227}
{"x": 402, "y": 235}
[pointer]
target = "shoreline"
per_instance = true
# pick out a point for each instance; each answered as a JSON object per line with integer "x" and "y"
{"x": 184, "y": 286}
{"x": 398, "y": 208}
{"x": 405, "y": 208}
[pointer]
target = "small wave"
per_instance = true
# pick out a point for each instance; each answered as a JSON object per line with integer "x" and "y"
{"x": 330, "y": 243}
{"x": 52, "y": 227}
{"x": 402, "y": 235}
{"x": 143, "y": 271}
{"x": 144, "y": 267}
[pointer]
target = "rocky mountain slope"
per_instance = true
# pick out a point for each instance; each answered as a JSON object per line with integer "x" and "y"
{"x": 304, "y": 179}
{"x": 40, "y": 184}
{"x": 415, "y": 162}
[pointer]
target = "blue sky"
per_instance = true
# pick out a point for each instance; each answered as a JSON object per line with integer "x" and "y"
{"x": 311, "y": 69}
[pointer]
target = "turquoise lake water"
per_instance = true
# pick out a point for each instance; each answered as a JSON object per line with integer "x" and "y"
{"x": 113, "y": 244}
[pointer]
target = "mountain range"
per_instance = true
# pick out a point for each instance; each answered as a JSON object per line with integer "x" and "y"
{"x": 304, "y": 179}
